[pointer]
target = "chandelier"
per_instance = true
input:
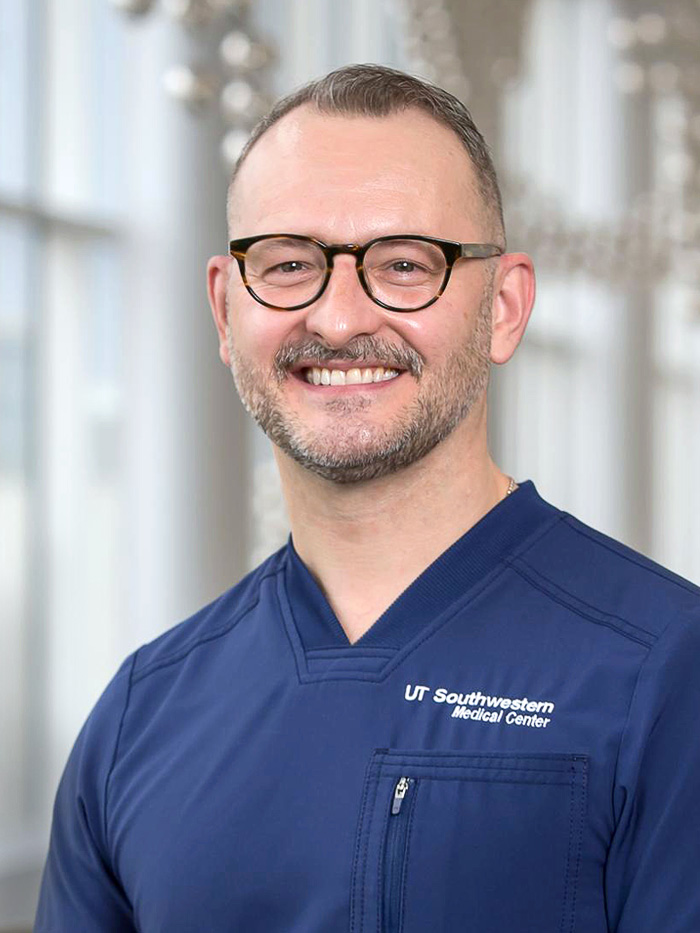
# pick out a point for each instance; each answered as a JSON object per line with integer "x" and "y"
{"x": 236, "y": 84}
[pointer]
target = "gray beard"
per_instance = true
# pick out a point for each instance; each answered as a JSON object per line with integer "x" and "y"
{"x": 358, "y": 454}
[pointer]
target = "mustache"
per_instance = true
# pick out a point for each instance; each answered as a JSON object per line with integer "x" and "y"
{"x": 360, "y": 348}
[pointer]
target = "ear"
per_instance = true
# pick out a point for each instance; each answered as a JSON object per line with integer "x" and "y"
{"x": 513, "y": 298}
{"x": 218, "y": 270}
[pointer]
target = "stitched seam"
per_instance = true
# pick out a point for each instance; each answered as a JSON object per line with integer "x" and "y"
{"x": 423, "y": 753}
{"x": 623, "y": 732}
{"x": 486, "y": 756}
{"x": 405, "y": 759}
{"x": 404, "y": 872}
{"x": 486, "y": 779}
{"x": 577, "y": 599}
{"x": 115, "y": 754}
{"x": 531, "y": 541}
{"x": 350, "y": 652}
{"x": 316, "y": 676}
{"x": 579, "y": 846}
{"x": 567, "y": 873}
{"x": 288, "y": 626}
{"x": 682, "y": 584}
{"x": 358, "y": 845}
{"x": 323, "y": 676}
{"x": 467, "y": 767}
{"x": 182, "y": 653}
{"x": 366, "y": 848}
{"x": 339, "y": 666}
{"x": 578, "y": 611}
{"x": 381, "y": 874}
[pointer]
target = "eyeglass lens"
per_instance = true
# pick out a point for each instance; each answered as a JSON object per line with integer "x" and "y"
{"x": 285, "y": 272}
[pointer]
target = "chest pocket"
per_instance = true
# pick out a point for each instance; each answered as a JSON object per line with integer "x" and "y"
{"x": 450, "y": 842}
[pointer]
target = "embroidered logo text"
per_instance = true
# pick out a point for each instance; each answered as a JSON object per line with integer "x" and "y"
{"x": 482, "y": 707}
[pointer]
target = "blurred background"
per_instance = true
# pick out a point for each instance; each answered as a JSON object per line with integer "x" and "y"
{"x": 132, "y": 487}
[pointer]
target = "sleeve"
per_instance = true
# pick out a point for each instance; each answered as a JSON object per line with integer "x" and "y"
{"x": 79, "y": 889}
{"x": 653, "y": 867}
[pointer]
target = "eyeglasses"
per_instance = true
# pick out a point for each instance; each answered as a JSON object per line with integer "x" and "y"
{"x": 286, "y": 271}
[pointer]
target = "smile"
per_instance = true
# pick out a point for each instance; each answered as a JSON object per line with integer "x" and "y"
{"x": 340, "y": 377}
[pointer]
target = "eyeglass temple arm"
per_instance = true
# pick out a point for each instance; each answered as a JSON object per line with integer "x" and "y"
{"x": 479, "y": 250}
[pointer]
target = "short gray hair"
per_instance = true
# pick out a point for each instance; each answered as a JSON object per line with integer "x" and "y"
{"x": 378, "y": 91}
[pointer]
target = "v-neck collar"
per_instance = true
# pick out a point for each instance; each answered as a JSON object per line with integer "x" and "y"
{"x": 467, "y": 562}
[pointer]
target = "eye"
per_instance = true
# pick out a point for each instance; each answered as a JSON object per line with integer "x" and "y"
{"x": 290, "y": 265}
{"x": 401, "y": 270}
{"x": 404, "y": 265}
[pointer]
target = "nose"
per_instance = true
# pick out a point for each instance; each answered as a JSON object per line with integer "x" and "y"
{"x": 344, "y": 310}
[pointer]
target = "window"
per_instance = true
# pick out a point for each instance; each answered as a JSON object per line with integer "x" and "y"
{"x": 61, "y": 369}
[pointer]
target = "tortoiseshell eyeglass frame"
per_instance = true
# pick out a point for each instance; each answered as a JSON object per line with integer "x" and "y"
{"x": 451, "y": 250}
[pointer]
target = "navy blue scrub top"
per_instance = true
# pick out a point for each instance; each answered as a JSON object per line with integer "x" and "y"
{"x": 513, "y": 747}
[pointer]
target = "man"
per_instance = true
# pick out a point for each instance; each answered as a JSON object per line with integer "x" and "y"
{"x": 445, "y": 704}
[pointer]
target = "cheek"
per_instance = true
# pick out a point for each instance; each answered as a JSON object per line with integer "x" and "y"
{"x": 435, "y": 332}
{"x": 257, "y": 332}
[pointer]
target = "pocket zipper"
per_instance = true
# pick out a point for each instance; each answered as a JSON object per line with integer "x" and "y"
{"x": 395, "y": 857}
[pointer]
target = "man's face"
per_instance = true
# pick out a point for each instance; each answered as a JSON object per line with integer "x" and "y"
{"x": 348, "y": 180}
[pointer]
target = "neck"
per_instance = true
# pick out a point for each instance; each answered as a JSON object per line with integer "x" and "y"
{"x": 366, "y": 542}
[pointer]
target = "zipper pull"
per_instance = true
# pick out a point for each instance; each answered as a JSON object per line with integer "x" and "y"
{"x": 399, "y": 793}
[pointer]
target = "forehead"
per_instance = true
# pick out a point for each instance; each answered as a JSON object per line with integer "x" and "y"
{"x": 356, "y": 177}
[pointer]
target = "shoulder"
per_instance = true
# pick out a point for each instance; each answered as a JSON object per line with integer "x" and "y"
{"x": 213, "y": 621}
{"x": 106, "y": 721}
{"x": 606, "y": 580}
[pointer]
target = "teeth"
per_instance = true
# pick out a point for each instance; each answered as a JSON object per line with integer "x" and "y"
{"x": 339, "y": 377}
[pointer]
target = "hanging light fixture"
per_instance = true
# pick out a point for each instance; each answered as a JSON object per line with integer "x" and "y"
{"x": 235, "y": 84}
{"x": 133, "y": 7}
